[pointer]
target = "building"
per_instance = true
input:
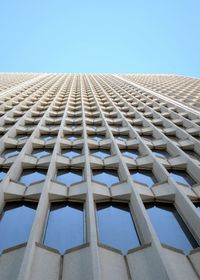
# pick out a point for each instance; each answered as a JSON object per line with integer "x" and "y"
{"x": 100, "y": 177}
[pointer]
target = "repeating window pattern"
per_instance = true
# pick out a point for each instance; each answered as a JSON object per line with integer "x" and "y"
{"x": 110, "y": 160}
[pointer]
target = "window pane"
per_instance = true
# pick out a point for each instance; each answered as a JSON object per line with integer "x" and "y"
{"x": 108, "y": 177}
{"x": 161, "y": 153}
{"x": 15, "y": 224}
{"x": 130, "y": 153}
{"x": 30, "y": 176}
{"x": 182, "y": 177}
{"x": 46, "y": 137}
{"x": 38, "y": 153}
{"x": 2, "y": 173}
{"x": 102, "y": 153}
{"x": 65, "y": 228}
{"x": 71, "y": 152}
{"x": 97, "y": 138}
{"x": 170, "y": 228}
{"x": 116, "y": 227}
{"x": 11, "y": 152}
{"x": 71, "y": 137}
{"x": 144, "y": 176}
{"x": 69, "y": 176}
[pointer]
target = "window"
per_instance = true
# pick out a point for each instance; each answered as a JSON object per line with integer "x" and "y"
{"x": 71, "y": 152}
{"x": 65, "y": 227}
{"x": 108, "y": 177}
{"x": 30, "y": 176}
{"x": 46, "y": 137}
{"x": 15, "y": 224}
{"x": 71, "y": 137}
{"x": 98, "y": 138}
{"x": 130, "y": 153}
{"x": 116, "y": 227}
{"x": 3, "y": 172}
{"x": 38, "y": 153}
{"x": 192, "y": 154}
{"x": 161, "y": 153}
{"x": 144, "y": 176}
{"x": 101, "y": 153}
{"x": 170, "y": 227}
{"x": 11, "y": 152}
{"x": 69, "y": 176}
{"x": 21, "y": 137}
{"x": 122, "y": 138}
{"x": 182, "y": 177}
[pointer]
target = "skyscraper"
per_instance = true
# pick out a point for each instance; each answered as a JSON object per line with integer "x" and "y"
{"x": 100, "y": 177}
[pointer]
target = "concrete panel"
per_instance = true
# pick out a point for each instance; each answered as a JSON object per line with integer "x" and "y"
{"x": 10, "y": 263}
{"x": 179, "y": 266}
{"x": 46, "y": 265}
{"x": 77, "y": 265}
{"x": 113, "y": 265}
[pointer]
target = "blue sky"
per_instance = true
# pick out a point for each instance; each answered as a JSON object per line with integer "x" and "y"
{"x": 105, "y": 36}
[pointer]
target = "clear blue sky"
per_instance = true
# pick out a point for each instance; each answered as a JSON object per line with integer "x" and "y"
{"x": 129, "y": 36}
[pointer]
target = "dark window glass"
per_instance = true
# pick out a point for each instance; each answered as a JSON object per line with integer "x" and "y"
{"x": 192, "y": 154}
{"x": 130, "y": 153}
{"x": 15, "y": 224}
{"x": 38, "y": 153}
{"x": 197, "y": 205}
{"x": 170, "y": 228}
{"x": 101, "y": 153}
{"x": 143, "y": 176}
{"x": 30, "y": 176}
{"x": 71, "y": 152}
{"x": 11, "y": 152}
{"x": 182, "y": 177}
{"x": 2, "y": 173}
{"x": 69, "y": 176}
{"x": 116, "y": 227}
{"x": 108, "y": 177}
{"x": 161, "y": 153}
{"x": 65, "y": 228}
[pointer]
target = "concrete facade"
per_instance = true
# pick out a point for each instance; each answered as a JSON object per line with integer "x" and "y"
{"x": 110, "y": 105}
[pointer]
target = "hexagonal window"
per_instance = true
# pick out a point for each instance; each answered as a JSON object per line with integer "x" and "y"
{"x": 30, "y": 176}
{"x": 71, "y": 153}
{"x": 107, "y": 177}
{"x": 21, "y": 137}
{"x": 11, "y": 152}
{"x": 71, "y": 138}
{"x": 69, "y": 176}
{"x": 130, "y": 153}
{"x": 144, "y": 176}
{"x": 38, "y": 153}
{"x": 98, "y": 138}
{"x": 101, "y": 153}
{"x": 161, "y": 153}
{"x": 122, "y": 138}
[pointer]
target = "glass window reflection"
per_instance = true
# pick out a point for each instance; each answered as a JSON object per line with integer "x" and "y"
{"x": 30, "y": 176}
{"x": 182, "y": 177}
{"x": 69, "y": 176}
{"x": 107, "y": 177}
{"x": 11, "y": 152}
{"x": 170, "y": 227}
{"x": 71, "y": 153}
{"x": 130, "y": 153}
{"x": 101, "y": 153}
{"x": 116, "y": 227}
{"x": 161, "y": 153}
{"x": 15, "y": 224}
{"x": 38, "y": 153}
{"x": 65, "y": 227}
{"x": 3, "y": 172}
{"x": 144, "y": 176}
